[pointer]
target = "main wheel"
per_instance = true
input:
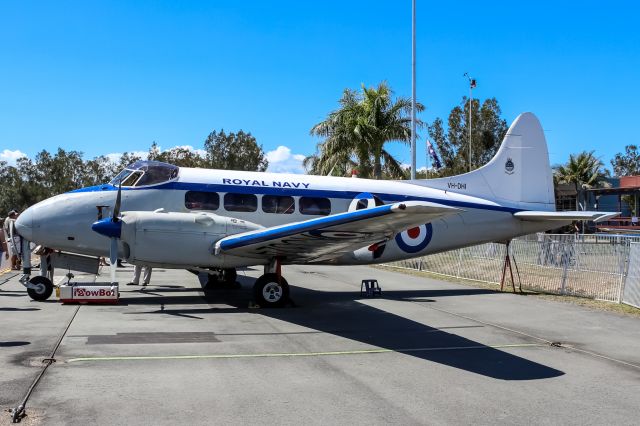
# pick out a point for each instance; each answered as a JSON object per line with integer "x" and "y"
{"x": 43, "y": 290}
{"x": 269, "y": 292}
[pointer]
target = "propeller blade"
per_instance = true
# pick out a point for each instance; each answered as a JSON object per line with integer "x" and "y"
{"x": 116, "y": 208}
{"x": 113, "y": 258}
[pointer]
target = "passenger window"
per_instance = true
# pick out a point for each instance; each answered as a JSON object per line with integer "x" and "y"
{"x": 315, "y": 206}
{"x": 278, "y": 204}
{"x": 240, "y": 202}
{"x": 196, "y": 200}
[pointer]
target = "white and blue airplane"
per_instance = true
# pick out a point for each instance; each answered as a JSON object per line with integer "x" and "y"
{"x": 214, "y": 221}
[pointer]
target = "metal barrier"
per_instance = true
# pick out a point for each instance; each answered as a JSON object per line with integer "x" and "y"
{"x": 631, "y": 294}
{"x": 591, "y": 266}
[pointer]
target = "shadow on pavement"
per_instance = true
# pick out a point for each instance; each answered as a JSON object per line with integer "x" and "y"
{"x": 341, "y": 314}
{"x": 13, "y": 343}
{"x": 18, "y": 309}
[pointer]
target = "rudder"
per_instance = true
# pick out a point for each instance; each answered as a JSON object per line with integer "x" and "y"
{"x": 519, "y": 175}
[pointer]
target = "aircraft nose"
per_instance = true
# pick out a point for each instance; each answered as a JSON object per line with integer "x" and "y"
{"x": 25, "y": 225}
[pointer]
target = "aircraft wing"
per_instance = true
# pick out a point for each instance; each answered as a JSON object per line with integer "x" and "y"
{"x": 331, "y": 236}
{"x": 566, "y": 216}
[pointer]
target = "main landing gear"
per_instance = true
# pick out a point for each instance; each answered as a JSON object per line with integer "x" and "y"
{"x": 271, "y": 290}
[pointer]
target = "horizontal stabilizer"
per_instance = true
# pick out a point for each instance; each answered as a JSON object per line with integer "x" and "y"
{"x": 565, "y": 216}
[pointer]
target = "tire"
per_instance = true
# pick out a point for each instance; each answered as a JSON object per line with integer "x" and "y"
{"x": 44, "y": 290}
{"x": 269, "y": 293}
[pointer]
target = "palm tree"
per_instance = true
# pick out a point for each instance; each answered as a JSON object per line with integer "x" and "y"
{"x": 356, "y": 133}
{"x": 584, "y": 170}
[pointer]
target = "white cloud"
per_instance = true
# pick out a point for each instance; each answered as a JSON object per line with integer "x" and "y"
{"x": 114, "y": 157}
{"x": 282, "y": 161}
{"x": 11, "y": 156}
{"x": 200, "y": 152}
{"x": 281, "y": 153}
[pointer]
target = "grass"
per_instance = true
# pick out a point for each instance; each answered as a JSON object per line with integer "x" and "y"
{"x": 599, "y": 305}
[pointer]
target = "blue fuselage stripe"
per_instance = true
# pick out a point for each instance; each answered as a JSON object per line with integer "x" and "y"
{"x": 207, "y": 187}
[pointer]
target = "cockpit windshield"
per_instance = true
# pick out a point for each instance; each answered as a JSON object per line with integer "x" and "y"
{"x": 143, "y": 173}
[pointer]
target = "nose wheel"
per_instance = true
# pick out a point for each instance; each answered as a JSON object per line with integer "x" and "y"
{"x": 271, "y": 291}
{"x": 39, "y": 288}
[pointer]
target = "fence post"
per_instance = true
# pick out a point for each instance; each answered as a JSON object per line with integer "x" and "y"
{"x": 626, "y": 258}
{"x": 459, "y": 262}
{"x": 565, "y": 269}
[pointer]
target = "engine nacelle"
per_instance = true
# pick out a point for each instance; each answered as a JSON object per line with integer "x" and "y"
{"x": 159, "y": 238}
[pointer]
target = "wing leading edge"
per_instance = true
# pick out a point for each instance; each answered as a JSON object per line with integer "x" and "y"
{"x": 331, "y": 236}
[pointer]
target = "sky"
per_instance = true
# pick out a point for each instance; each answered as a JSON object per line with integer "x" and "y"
{"x": 104, "y": 77}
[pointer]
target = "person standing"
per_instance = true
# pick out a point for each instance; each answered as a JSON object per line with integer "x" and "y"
{"x": 46, "y": 265}
{"x": 136, "y": 275}
{"x": 14, "y": 241}
{"x": 4, "y": 253}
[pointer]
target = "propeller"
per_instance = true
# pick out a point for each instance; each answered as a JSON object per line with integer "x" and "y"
{"x": 112, "y": 228}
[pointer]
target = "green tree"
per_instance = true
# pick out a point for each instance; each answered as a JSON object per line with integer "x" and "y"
{"x": 357, "y": 132}
{"x": 154, "y": 152}
{"x": 12, "y": 189}
{"x": 627, "y": 164}
{"x": 57, "y": 173}
{"x": 126, "y": 159}
{"x": 234, "y": 151}
{"x": 487, "y": 132}
{"x": 182, "y": 157}
{"x": 98, "y": 171}
{"x": 584, "y": 170}
{"x": 31, "y": 181}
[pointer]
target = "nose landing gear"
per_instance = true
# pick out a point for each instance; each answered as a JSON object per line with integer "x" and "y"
{"x": 39, "y": 288}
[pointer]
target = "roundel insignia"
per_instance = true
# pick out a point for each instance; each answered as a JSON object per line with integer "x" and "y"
{"x": 415, "y": 239}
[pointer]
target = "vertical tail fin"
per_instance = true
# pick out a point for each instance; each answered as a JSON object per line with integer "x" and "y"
{"x": 518, "y": 175}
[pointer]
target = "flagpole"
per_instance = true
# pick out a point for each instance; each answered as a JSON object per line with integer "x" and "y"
{"x": 470, "y": 105}
{"x": 471, "y": 86}
{"x": 413, "y": 90}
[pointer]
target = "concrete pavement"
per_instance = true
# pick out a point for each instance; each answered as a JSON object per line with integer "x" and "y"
{"x": 427, "y": 352}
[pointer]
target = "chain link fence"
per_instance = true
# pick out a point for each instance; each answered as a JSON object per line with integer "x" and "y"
{"x": 631, "y": 294}
{"x": 593, "y": 266}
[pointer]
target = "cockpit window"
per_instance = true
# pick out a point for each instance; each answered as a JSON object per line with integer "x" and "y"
{"x": 120, "y": 177}
{"x": 143, "y": 173}
{"x": 132, "y": 178}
